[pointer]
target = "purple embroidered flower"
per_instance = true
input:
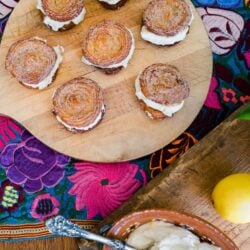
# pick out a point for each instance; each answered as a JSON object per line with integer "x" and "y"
{"x": 44, "y": 206}
{"x": 11, "y": 195}
{"x": 32, "y": 164}
{"x": 224, "y": 28}
{"x": 2, "y": 26}
{"x": 6, "y": 7}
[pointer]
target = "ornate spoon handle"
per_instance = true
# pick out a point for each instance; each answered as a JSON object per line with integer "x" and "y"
{"x": 60, "y": 226}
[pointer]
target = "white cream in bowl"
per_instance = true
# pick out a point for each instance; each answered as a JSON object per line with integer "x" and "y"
{"x": 160, "y": 235}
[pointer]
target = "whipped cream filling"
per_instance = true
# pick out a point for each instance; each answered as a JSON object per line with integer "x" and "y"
{"x": 123, "y": 63}
{"x": 160, "y": 235}
{"x": 91, "y": 125}
{"x": 56, "y": 25}
{"x": 167, "y": 110}
{"x": 165, "y": 40}
{"x": 48, "y": 79}
{"x": 110, "y": 2}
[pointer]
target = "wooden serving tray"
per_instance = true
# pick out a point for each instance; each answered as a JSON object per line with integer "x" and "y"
{"x": 125, "y": 132}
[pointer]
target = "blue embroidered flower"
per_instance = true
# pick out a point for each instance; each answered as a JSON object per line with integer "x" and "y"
{"x": 221, "y": 3}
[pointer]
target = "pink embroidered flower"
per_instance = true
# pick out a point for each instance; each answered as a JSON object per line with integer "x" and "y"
{"x": 8, "y": 130}
{"x": 229, "y": 95}
{"x": 212, "y": 100}
{"x": 224, "y": 28}
{"x": 44, "y": 206}
{"x": 245, "y": 99}
{"x": 101, "y": 188}
{"x": 247, "y": 59}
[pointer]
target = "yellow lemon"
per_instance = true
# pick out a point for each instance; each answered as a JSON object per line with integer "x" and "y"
{"x": 231, "y": 198}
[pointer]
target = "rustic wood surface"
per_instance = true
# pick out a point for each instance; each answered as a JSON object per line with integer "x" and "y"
{"x": 185, "y": 186}
{"x": 125, "y": 132}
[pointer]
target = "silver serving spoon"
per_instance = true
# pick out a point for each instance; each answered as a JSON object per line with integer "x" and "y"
{"x": 60, "y": 226}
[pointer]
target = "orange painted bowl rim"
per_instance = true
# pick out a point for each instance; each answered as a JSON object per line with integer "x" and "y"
{"x": 202, "y": 228}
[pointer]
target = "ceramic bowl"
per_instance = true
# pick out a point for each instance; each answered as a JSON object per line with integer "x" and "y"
{"x": 206, "y": 231}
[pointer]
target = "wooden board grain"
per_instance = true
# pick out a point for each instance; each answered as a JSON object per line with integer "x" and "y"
{"x": 125, "y": 132}
{"x": 187, "y": 185}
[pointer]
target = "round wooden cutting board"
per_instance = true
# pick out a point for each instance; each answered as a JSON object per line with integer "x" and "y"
{"x": 125, "y": 132}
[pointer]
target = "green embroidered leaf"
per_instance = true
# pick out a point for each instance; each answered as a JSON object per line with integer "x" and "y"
{"x": 2, "y": 174}
{"x": 3, "y": 216}
{"x": 23, "y": 211}
{"x": 245, "y": 114}
{"x": 72, "y": 213}
{"x": 59, "y": 189}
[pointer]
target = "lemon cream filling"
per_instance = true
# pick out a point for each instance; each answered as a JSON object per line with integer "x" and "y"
{"x": 48, "y": 79}
{"x": 167, "y": 110}
{"x": 56, "y": 25}
{"x": 164, "y": 40}
{"x": 160, "y": 235}
{"x": 123, "y": 63}
{"x": 93, "y": 124}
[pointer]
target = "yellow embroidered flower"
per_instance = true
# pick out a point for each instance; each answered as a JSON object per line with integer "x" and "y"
{"x": 11, "y": 195}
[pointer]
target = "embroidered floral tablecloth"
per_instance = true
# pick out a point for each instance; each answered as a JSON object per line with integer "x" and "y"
{"x": 37, "y": 182}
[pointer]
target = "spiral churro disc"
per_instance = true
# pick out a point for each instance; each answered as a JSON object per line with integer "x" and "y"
{"x": 30, "y": 61}
{"x": 107, "y": 44}
{"x": 63, "y": 10}
{"x": 167, "y": 17}
{"x": 78, "y": 104}
{"x": 163, "y": 84}
{"x": 161, "y": 90}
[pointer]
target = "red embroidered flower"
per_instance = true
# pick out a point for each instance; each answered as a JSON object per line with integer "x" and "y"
{"x": 229, "y": 95}
{"x": 245, "y": 99}
{"x": 44, "y": 206}
{"x": 11, "y": 195}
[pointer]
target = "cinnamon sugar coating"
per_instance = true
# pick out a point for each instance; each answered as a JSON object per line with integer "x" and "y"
{"x": 107, "y": 43}
{"x": 167, "y": 17}
{"x": 78, "y": 103}
{"x": 30, "y": 60}
{"x": 62, "y": 11}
